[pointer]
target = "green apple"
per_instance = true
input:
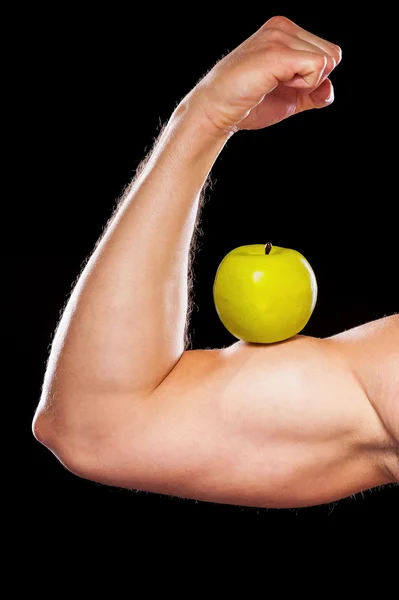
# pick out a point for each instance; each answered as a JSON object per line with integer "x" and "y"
{"x": 264, "y": 293}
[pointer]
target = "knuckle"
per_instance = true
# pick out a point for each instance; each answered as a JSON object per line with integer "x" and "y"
{"x": 320, "y": 61}
{"x": 273, "y": 35}
{"x": 278, "y": 22}
{"x": 330, "y": 62}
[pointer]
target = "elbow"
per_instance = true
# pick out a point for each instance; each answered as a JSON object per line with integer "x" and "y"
{"x": 70, "y": 449}
{"x": 92, "y": 444}
{"x": 40, "y": 427}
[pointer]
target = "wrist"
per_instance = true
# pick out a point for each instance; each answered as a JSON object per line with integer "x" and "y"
{"x": 190, "y": 142}
{"x": 194, "y": 112}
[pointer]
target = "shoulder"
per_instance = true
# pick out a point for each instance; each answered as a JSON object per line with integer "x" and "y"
{"x": 372, "y": 353}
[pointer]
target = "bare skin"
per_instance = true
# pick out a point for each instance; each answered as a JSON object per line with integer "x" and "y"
{"x": 125, "y": 403}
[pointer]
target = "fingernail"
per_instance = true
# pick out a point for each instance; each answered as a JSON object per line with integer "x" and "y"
{"x": 330, "y": 98}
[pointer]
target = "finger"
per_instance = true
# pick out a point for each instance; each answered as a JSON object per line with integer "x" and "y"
{"x": 298, "y": 69}
{"x": 293, "y": 29}
{"x": 296, "y": 43}
{"x": 332, "y": 49}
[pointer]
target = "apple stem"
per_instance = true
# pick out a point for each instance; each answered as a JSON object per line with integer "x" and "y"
{"x": 268, "y": 248}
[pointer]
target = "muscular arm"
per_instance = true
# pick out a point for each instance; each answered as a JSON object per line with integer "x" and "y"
{"x": 124, "y": 403}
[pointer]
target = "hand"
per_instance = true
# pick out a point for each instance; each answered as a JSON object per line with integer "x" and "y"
{"x": 279, "y": 71}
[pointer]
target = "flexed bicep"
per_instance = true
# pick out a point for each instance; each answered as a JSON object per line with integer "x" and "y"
{"x": 284, "y": 425}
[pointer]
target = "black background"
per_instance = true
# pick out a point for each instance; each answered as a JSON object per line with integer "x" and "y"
{"x": 94, "y": 89}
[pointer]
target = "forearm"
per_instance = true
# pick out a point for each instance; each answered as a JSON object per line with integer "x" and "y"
{"x": 123, "y": 327}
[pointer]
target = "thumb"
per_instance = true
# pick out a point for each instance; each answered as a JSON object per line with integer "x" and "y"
{"x": 320, "y": 97}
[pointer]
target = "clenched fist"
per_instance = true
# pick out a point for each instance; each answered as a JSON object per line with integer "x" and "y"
{"x": 279, "y": 71}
